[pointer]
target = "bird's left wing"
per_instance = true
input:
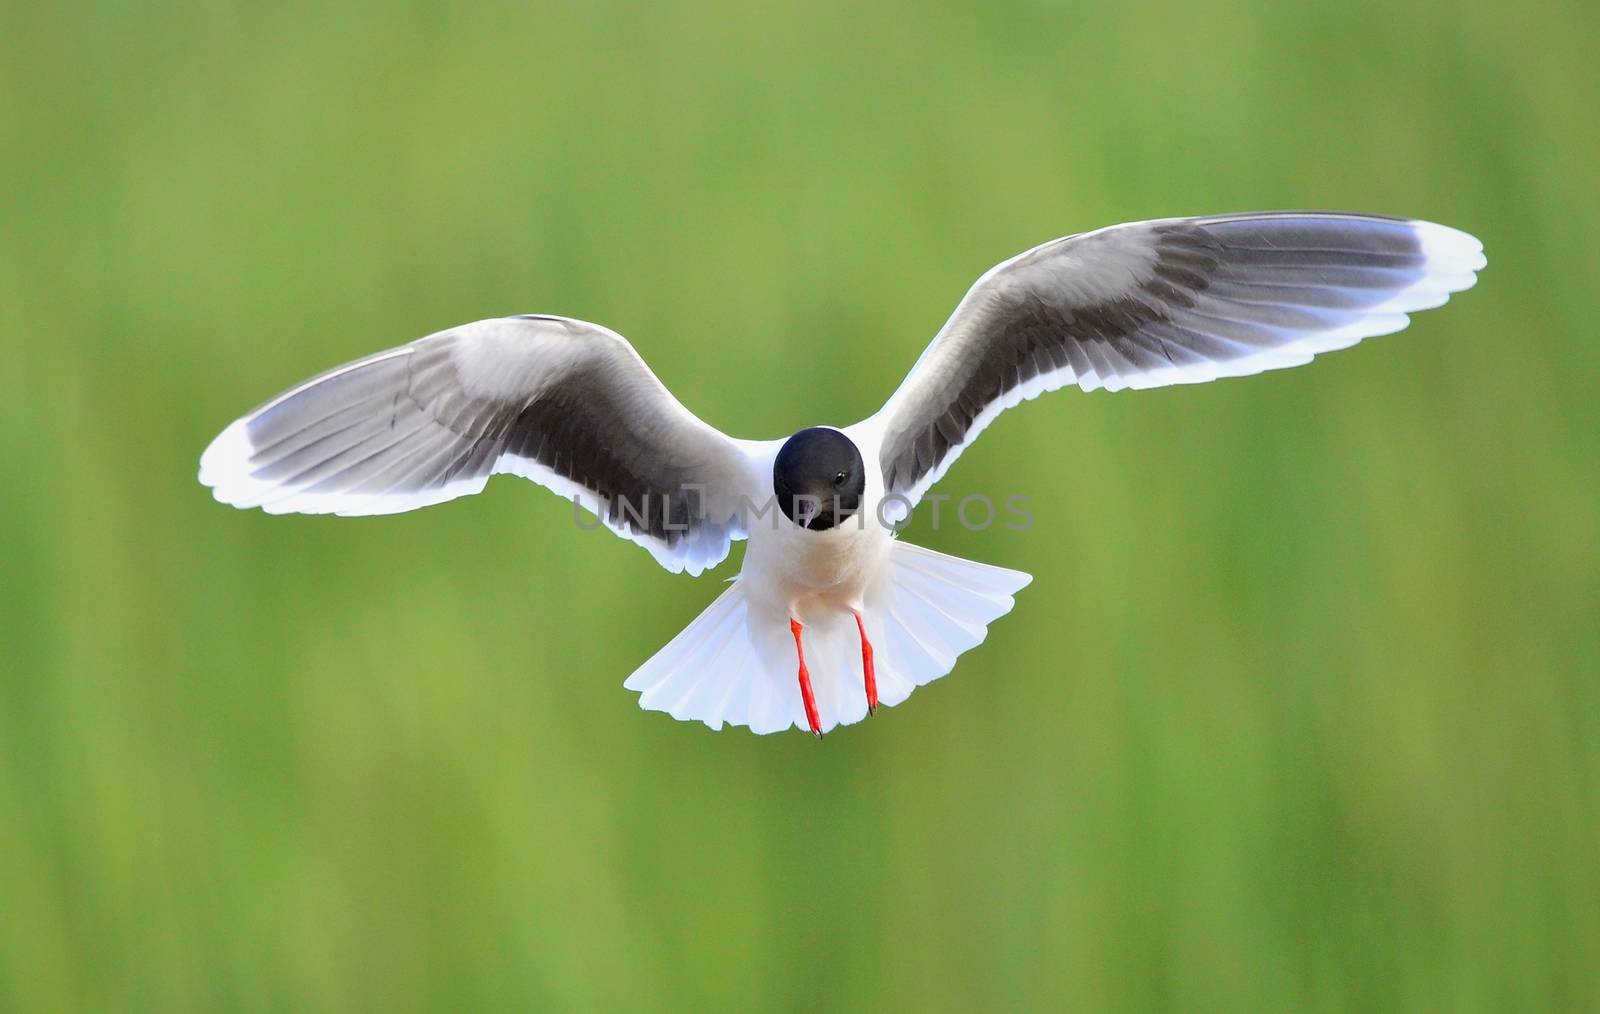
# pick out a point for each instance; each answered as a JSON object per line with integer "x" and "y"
{"x": 1176, "y": 301}
{"x": 565, "y": 403}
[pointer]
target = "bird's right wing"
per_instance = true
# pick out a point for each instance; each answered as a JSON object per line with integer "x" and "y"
{"x": 565, "y": 403}
{"x": 1176, "y": 301}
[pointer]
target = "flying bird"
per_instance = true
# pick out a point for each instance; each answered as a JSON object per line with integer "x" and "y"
{"x": 831, "y": 616}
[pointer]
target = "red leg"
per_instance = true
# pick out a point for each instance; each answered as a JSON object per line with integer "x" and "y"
{"x": 805, "y": 681}
{"x": 866, "y": 666}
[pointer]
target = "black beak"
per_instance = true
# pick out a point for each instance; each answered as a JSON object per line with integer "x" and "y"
{"x": 811, "y": 509}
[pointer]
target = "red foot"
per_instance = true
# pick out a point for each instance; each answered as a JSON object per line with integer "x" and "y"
{"x": 805, "y": 681}
{"x": 866, "y": 666}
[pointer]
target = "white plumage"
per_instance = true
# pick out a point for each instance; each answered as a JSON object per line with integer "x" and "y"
{"x": 571, "y": 406}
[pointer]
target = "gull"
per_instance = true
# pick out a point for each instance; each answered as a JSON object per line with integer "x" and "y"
{"x": 831, "y": 615}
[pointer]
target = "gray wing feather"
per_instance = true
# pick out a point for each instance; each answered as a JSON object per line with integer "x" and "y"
{"x": 1166, "y": 302}
{"x": 565, "y": 403}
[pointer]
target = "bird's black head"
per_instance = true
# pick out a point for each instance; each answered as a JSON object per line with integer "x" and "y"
{"x": 819, "y": 478}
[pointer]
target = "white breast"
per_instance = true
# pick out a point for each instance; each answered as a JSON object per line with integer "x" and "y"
{"x": 806, "y": 571}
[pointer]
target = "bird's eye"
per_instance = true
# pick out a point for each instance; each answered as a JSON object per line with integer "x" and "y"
{"x": 838, "y": 480}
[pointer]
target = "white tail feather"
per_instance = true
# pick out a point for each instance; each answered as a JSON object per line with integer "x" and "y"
{"x": 735, "y": 664}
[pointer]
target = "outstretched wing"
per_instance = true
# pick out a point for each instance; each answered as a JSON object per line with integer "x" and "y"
{"x": 1176, "y": 301}
{"x": 565, "y": 403}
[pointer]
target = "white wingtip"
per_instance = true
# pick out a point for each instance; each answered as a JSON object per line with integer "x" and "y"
{"x": 225, "y": 467}
{"x": 1452, "y": 255}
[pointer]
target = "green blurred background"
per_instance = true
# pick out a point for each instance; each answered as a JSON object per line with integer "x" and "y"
{"x": 1301, "y": 711}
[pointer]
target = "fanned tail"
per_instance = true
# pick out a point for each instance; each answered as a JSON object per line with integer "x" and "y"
{"x": 936, "y": 607}
{"x": 735, "y": 664}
